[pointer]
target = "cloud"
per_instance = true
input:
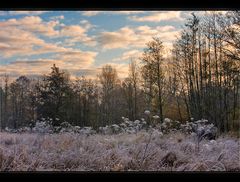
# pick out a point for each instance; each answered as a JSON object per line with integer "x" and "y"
{"x": 127, "y": 37}
{"x": 21, "y": 36}
{"x": 125, "y": 12}
{"x": 81, "y": 66}
{"x": 77, "y": 34}
{"x": 87, "y": 25}
{"x": 71, "y": 60}
{"x": 94, "y": 13}
{"x": 15, "y": 41}
{"x": 3, "y": 13}
{"x": 13, "y": 13}
{"x": 31, "y": 35}
{"x": 26, "y": 12}
{"x": 158, "y": 28}
{"x": 158, "y": 16}
{"x": 128, "y": 55}
{"x": 72, "y": 31}
{"x": 32, "y": 24}
{"x": 90, "y": 13}
{"x": 25, "y": 45}
{"x": 60, "y": 17}
{"x": 36, "y": 67}
{"x": 116, "y": 39}
{"x": 35, "y": 25}
{"x": 78, "y": 58}
{"x": 12, "y": 43}
{"x": 74, "y": 61}
{"x": 131, "y": 54}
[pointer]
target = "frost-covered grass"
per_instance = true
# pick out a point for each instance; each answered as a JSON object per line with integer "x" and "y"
{"x": 142, "y": 151}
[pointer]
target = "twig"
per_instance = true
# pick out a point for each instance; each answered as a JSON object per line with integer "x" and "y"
{"x": 146, "y": 147}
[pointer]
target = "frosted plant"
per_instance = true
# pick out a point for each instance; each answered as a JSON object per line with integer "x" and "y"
{"x": 7, "y": 129}
{"x": 115, "y": 128}
{"x": 156, "y": 133}
{"x": 87, "y": 131}
{"x": 167, "y": 120}
{"x": 123, "y": 125}
{"x": 130, "y": 131}
{"x": 130, "y": 123}
{"x": 43, "y": 126}
{"x": 147, "y": 112}
{"x": 156, "y": 117}
{"x": 137, "y": 122}
{"x": 24, "y": 130}
{"x": 127, "y": 121}
{"x": 76, "y": 129}
{"x": 105, "y": 130}
{"x": 164, "y": 125}
{"x": 193, "y": 134}
{"x": 141, "y": 151}
{"x": 213, "y": 142}
{"x": 143, "y": 121}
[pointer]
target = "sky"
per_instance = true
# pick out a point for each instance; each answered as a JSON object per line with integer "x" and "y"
{"x": 81, "y": 42}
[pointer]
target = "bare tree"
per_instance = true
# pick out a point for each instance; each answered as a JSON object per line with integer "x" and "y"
{"x": 153, "y": 70}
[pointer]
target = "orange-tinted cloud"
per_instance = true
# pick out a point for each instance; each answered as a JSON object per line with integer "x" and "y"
{"x": 158, "y": 16}
{"x": 127, "y": 37}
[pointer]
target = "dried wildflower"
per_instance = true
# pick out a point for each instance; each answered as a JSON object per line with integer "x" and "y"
{"x": 147, "y": 112}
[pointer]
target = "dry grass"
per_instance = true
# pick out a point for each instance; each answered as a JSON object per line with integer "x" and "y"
{"x": 122, "y": 152}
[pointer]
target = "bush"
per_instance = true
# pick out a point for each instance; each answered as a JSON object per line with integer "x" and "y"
{"x": 199, "y": 129}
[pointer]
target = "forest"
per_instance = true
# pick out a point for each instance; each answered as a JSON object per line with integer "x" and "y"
{"x": 199, "y": 80}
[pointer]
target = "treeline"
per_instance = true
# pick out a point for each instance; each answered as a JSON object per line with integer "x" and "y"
{"x": 199, "y": 80}
{"x": 207, "y": 66}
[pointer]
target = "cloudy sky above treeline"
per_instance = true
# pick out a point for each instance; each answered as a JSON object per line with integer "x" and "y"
{"x": 81, "y": 41}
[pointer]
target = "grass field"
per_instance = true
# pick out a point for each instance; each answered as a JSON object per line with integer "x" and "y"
{"x": 143, "y": 151}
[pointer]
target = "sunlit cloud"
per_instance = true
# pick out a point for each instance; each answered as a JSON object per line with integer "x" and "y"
{"x": 78, "y": 58}
{"x": 127, "y": 37}
{"x": 126, "y": 12}
{"x": 30, "y": 13}
{"x": 26, "y": 12}
{"x": 90, "y": 13}
{"x": 75, "y": 41}
{"x": 94, "y": 13}
{"x": 73, "y": 61}
{"x": 76, "y": 33}
{"x": 73, "y": 30}
{"x": 29, "y": 43}
{"x": 158, "y": 16}
{"x": 25, "y": 45}
{"x": 32, "y": 24}
{"x": 129, "y": 55}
